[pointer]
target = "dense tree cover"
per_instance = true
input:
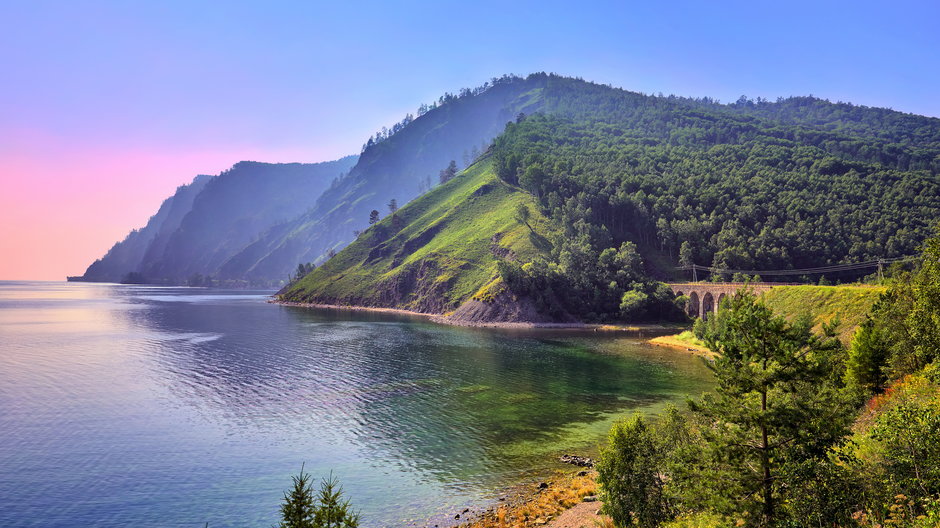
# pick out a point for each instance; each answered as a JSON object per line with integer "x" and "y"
{"x": 590, "y": 285}
{"x": 799, "y": 432}
{"x": 793, "y": 184}
{"x": 909, "y": 141}
{"x": 743, "y": 186}
{"x": 903, "y": 333}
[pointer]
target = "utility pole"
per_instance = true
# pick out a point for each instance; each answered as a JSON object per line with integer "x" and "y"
{"x": 694, "y": 275}
{"x": 881, "y": 276}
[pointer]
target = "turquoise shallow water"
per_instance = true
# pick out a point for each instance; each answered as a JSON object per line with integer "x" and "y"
{"x": 144, "y": 406}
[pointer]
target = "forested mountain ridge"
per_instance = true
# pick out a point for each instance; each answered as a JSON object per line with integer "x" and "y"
{"x": 434, "y": 253}
{"x": 398, "y": 164}
{"x": 625, "y": 177}
{"x": 207, "y": 222}
{"x": 236, "y": 207}
{"x": 740, "y": 191}
{"x": 126, "y": 256}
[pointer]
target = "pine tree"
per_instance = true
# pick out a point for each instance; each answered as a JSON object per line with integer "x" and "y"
{"x": 867, "y": 357}
{"x": 686, "y": 257}
{"x": 448, "y": 173}
{"x": 774, "y": 404}
{"x": 523, "y": 214}
{"x": 298, "y": 508}
{"x": 332, "y": 510}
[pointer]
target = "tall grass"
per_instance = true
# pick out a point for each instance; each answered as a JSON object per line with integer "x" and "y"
{"x": 541, "y": 507}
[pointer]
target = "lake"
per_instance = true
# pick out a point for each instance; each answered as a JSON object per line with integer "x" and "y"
{"x": 153, "y": 406}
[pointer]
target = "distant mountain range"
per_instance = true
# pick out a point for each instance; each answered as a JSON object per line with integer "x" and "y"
{"x": 256, "y": 222}
{"x": 596, "y": 192}
{"x": 205, "y": 223}
{"x": 574, "y": 198}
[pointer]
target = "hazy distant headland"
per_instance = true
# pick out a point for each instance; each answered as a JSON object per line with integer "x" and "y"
{"x": 553, "y": 199}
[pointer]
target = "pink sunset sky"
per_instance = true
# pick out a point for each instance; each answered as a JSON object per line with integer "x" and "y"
{"x": 64, "y": 205}
{"x": 107, "y": 106}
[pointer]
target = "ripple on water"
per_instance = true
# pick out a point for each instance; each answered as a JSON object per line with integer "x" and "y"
{"x": 174, "y": 406}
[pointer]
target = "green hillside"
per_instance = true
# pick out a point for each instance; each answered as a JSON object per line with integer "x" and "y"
{"x": 633, "y": 186}
{"x": 435, "y": 253}
{"x": 399, "y": 164}
{"x": 848, "y": 305}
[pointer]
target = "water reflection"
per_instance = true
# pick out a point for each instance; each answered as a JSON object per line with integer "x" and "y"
{"x": 206, "y": 400}
{"x": 450, "y": 403}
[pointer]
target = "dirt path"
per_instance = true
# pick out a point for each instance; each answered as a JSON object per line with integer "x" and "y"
{"x": 583, "y": 515}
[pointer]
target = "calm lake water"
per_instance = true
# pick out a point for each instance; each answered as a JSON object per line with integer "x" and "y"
{"x": 144, "y": 406}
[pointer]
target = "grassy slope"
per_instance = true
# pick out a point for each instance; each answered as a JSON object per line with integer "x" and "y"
{"x": 685, "y": 340}
{"x": 848, "y": 304}
{"x": 443, "y": 255}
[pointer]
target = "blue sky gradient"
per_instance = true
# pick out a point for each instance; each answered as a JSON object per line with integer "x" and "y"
{"x": 193, "y": 87}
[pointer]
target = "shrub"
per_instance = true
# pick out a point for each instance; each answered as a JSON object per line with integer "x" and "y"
{"x": 631, "y": 485}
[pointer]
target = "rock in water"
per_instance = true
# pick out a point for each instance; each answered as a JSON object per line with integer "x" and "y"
{"x": 577, "y": 460}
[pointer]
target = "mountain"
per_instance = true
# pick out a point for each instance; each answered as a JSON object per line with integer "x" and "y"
{"x": 126, "y": 256}
{"x": 207, "y": 222}
{"x": 234, "y": 209}
{"x": 434, "y": 253}
{"x": 398, "y": 165}
{"x": 624, "y": 187}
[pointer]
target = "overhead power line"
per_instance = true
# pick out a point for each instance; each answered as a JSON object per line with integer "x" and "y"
{"x": 805, "y": 271}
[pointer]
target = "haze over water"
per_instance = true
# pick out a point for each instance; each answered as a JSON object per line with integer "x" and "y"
{"x": 145, "y": 406}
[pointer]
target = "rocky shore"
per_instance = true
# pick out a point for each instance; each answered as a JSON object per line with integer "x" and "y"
{"x": 568, "y": 500}
{"x": 456, "y": 321}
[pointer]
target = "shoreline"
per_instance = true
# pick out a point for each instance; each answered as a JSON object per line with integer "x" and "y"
{"x": 670, "y": 341}
{"x": 569, "y": 497}
{"x": 349, "y": 308}
{"x": 445, "y": 320}
{"x": 541, "y": 502}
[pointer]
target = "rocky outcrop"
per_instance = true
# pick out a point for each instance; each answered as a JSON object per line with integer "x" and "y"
{"x": 505, "y": 307}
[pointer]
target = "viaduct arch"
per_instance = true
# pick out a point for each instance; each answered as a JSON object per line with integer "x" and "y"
{"x": 706, "y": 297}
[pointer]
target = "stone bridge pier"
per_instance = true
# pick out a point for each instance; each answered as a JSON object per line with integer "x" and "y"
{"x": 705, "y": 297}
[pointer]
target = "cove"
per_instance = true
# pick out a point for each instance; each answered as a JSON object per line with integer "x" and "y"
{"x": 148, "y": 406}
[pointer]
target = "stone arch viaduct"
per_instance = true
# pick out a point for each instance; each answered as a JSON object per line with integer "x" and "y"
{"x": 705, "y": 297}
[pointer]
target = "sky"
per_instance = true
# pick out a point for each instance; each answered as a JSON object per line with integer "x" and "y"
{"x": 107, "y": 107}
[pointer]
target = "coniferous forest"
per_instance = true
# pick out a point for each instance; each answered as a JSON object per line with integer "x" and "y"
{"x": 756, "y": 185}
{"x": 344, "y": 238}
{"x": 800, "y": 430}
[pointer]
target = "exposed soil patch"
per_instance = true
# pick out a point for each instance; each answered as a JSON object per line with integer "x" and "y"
{"x": 584, "y": 515}
{"x": 504, "y": 308}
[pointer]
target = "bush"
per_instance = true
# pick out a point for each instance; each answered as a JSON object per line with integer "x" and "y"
{"x": 698, "y": 520}
{"x": 867, "y": 357}
{"x": 631, "y": 486}
{"x": 909, "y": 435}
{"x": 896, "y": 450}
